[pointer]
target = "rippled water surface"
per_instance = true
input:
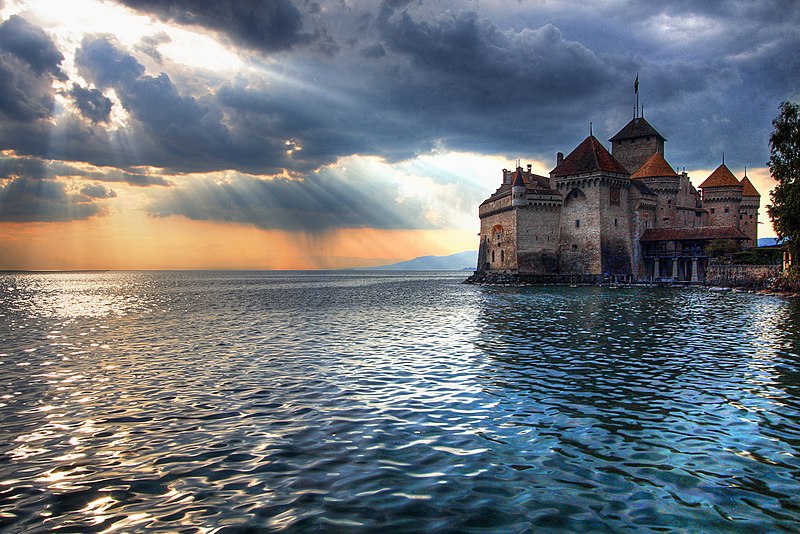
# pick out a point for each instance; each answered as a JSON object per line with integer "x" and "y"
{"x": 375, "y": 401}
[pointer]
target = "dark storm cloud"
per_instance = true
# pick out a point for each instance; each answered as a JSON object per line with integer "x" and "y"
{"x": 92, "y": 103}
{"x": 98, "y": 191}
{"x": 29, "y": 61}
{"x": 262, "y": 25}
{"x": 32, "y": 45}
{"x": 316, "y": 204}
{"x": 100, "y": 60}
{"x": 13, "y": 167}
{"x": 33, "y": 168}
{"x": 185, "y": 133}
{"x": 395, "y": 81}
{"x": 27, "y": 200}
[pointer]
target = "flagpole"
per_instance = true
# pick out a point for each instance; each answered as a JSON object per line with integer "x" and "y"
{"x": 636, "y": 90}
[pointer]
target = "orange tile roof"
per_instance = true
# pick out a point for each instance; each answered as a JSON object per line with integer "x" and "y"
{"x": 721, "y": 177}
{"x": 655, "y": 166}
{"x": 589, "y": 156}
{"x": 748, "y": 189}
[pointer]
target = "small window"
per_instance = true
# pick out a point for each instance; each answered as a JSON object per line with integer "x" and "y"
{"x": 502, "y": 256}
{"x": 712, "y": 210}
{"x": 574, "y": 247}
{"x": 577, "y": 223}
{"x": 616, "y": 223}
{"x": 751, "y": 216}
{"x": 727, "y": 210}
{"x": 493, "y": 256}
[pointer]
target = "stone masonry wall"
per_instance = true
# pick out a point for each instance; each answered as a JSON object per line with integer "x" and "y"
{"x": 498, "y": 231}
{"x": 580, "y": 248}
{"x": 537, "y": 239}
{"x": 615, "y": 233}
{"x": 632, "y": 153}
{"x": 723, "y": 206}
{"x": 741, "y": 275}
{"x": 748, "y": 221}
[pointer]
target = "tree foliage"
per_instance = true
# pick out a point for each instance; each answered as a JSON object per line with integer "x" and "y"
{"x": 719, "y": 248}
{"x": 784, "y": 164}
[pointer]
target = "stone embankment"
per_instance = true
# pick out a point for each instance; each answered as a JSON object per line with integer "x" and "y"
{"x": 742, "y": 276}
{"x": 509, "y": 279}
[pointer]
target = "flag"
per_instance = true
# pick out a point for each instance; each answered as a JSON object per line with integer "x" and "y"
{"x": 636, "y": 85}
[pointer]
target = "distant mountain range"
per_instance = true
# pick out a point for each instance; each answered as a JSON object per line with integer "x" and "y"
{"x": 467, "y": 261}
{"x": 455, "y": 262}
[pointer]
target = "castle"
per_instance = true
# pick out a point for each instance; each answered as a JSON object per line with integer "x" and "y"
{"x": 624, "y": 215}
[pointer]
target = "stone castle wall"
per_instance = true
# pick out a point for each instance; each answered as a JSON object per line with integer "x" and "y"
{"x": 580, "y": 248}
{"x": 538, "y": 229}
{"x": 632, "y": 153}
{"x": 499, "y": 233}
{"x": 615, "y": 233}
{"x": 748, "y": 221}
{"x": 723, "y": 204}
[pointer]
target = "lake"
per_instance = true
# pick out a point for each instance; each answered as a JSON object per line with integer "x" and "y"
{"x": 365, "y": 401}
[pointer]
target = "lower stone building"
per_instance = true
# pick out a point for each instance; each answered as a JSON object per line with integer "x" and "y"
{"x": 623, "y": 215}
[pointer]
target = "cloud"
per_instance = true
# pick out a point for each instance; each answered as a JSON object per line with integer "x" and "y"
{"x": 92, "y": 103}
{"x": 13, "y": 166}
{"x": 28, "y": 200}
{"x": 98, "y": 191}
{"x": 32, "y": 45}
{"x": 29, "y": 62}
{"x": 402, "y": 79}
{"x": 355, "y": 193}
{"x": 100, "y": 60}
{"x": 269, "y": 26}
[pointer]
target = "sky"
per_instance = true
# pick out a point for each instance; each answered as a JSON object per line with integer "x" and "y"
{"x": 299, "y": 134}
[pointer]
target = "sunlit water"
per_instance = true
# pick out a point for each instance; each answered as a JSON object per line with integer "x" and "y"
{"x": 377, "y": 401}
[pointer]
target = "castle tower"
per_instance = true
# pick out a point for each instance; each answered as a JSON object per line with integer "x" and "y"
{"x": 748, "y": 212}
{"x": 595, "y": 223}
{"x": 722, "y": 196}
{"x": 633, "y": 145}
{"x": 518, "y": 190}
{"x": 659, "y": 176}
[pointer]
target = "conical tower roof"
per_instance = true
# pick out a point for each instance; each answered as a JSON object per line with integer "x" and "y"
{"x": 655, "y": 166}
{"x": 638, "y": 127}
{"x": 519, "y": 181}
{"x": 721, "y": 177}
{"x": 748, "y": 189}
{"x": 589, "y": 156}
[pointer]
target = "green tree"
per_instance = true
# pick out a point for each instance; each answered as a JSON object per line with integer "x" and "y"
{"x": 784, "y": 164}
{"x": 719, "y": 248}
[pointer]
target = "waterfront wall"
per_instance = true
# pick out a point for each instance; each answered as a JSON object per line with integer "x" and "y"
{"x": 742, "y": 275}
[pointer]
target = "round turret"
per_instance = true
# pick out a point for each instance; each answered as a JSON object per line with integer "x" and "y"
{"x": 722, "y": 196}
{"x": 518, "y": 189}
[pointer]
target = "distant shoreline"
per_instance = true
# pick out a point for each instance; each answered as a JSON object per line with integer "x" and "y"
{"x": 58, "y": 271}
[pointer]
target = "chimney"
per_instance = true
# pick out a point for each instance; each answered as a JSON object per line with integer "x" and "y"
{"x": 559, "y": 158}
{"x": 530, "y": 166}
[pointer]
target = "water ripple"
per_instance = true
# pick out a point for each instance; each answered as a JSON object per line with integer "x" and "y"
{"x": 365, "y": 401}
